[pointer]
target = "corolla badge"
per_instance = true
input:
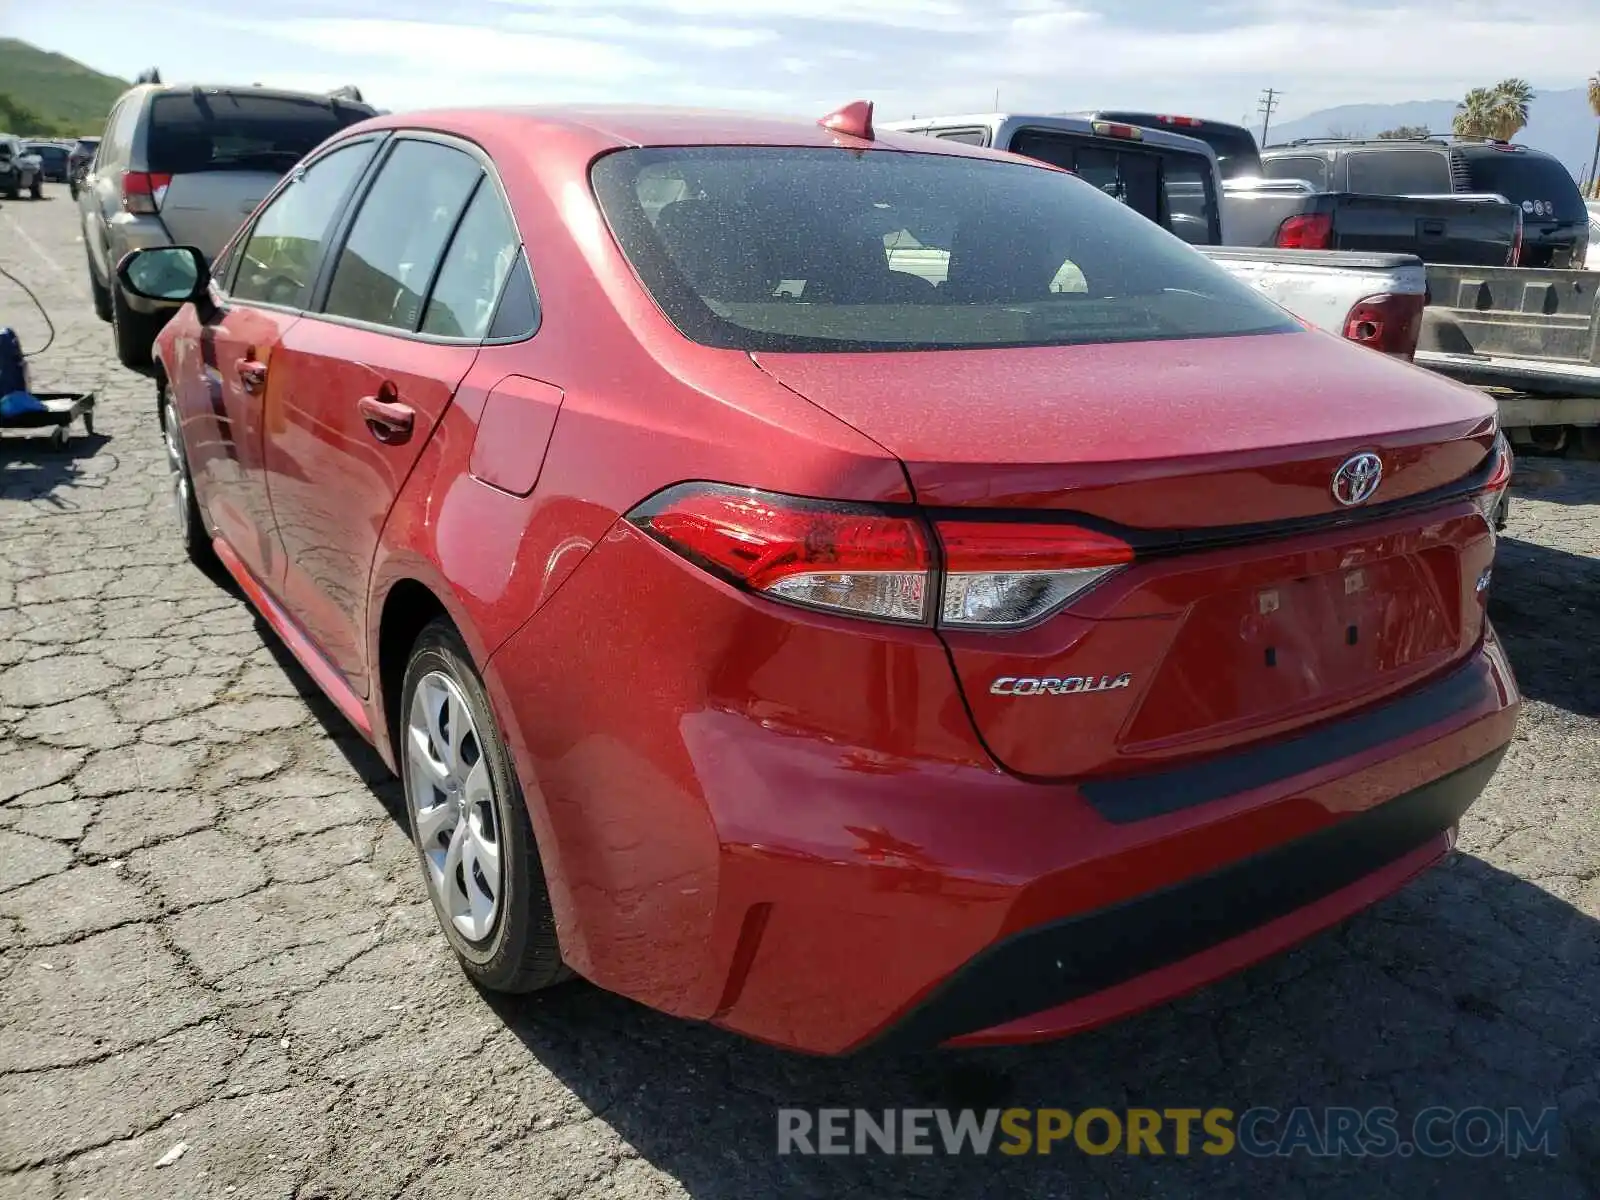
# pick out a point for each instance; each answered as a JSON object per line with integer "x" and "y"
{"x": 1008, "y": 685}
{"x": 1357, "y": 479}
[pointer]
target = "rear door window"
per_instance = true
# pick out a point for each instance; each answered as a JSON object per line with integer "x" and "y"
{"x": 474, "y": 271}
{"x": 1399, "y": 172}
{"x": 118, "y": 142}
{"x": 387, "y": 264}
{"x": 1541, "y": 186}
{"x": 238, "y": 131}
{"x": 971, "y": 137}
{"x": 1130, "y": 177}
{"x": 278, "y": 258}
{"x": 1171, "y": 188}
{"x": 1298, "y": 166}
{"x": 1191, "y": 207}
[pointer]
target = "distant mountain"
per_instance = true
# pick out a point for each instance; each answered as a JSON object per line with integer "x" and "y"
{"x": 59, "y": 93}
{"x": 1559, "y": 122}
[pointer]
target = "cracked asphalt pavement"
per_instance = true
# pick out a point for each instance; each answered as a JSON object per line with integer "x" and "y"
{"x": 213, "y": 931}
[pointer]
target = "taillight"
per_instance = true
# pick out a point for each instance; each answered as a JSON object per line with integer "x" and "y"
{"x": 1389, "y": 323}
{"x": 143, "y": 191}
{"x": 1000, "y": 576}
{"x": 865, "y": 562}
{"x": 1490, "y": 497}
{"x": 1186, "y": 122}
{"x": 1309, "y": 231}
{"x": 817, "y": 554}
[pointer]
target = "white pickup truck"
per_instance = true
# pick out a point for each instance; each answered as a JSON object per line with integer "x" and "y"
{"x": 1371, "y": 298}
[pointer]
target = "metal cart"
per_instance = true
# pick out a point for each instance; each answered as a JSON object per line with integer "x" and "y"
{"x": 61, "y": 409}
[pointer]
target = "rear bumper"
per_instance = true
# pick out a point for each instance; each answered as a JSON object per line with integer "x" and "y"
{"x": 1019, "y": 912}
{"x": 1058, "y": 977}
{"x": 735, "y": 838}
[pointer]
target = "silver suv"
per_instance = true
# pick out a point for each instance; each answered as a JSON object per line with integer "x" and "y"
{"x": 185, "y": 165}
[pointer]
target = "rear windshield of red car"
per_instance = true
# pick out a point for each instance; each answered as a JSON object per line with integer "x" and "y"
{"x": 784, "y": 248}
{"x": 222, "y": 131}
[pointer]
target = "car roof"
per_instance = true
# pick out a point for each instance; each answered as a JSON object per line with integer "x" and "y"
{"x": 619, "y": 126}
{"x": 237, "y": 89}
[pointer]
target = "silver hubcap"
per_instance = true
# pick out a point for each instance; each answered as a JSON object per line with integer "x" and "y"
{"x": 452, "y": 806}
{"x": 175, "y": 467}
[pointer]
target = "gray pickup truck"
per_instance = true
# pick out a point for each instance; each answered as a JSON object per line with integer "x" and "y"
{"x": 1530, "y": 338}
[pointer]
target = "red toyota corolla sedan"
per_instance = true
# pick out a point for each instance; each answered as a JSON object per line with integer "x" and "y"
{"x": 856, "y": 590}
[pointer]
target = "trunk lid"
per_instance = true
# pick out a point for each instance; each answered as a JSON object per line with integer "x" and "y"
{"x": 204, "y": 208}
{"x": 1257, "y": 604}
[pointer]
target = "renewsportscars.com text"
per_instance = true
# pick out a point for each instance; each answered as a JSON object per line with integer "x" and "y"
{"x": 1259, "y": 1132}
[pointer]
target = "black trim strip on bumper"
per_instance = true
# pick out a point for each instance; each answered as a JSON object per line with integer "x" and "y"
{"x": 1049, "y": 965}
{"x": 1140, "y": 797}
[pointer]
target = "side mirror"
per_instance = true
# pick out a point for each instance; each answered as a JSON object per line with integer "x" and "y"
{"x": 172, "y": 273}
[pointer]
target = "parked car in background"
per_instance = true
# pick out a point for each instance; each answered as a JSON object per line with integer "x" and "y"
{"x": 78, "y": 160}
{"x": 493, "y": 414}
{"x": 52, "y": 159}
{"x": 1238, "y": 156}
{"x": 1297, "y": 214}
{"x": 20, "y": 171}
{"x": 1167, "y": 177}
{"x": 1555, "y": 225}
{"x": 1176, "y": 181}
{"x": 186, "y": 165}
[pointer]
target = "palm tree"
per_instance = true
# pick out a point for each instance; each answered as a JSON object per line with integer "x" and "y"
{"x": 1512, "y": 98}
{"x": 1475, "y": 114}
{"x": 1594, "y": 103}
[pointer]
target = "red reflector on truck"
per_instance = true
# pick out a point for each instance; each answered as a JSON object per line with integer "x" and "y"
{"x": 1387, "y": 322}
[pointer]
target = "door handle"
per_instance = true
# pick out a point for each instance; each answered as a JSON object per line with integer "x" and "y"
{"x": 252, "y": 374}
{"x": 389, "y": 422}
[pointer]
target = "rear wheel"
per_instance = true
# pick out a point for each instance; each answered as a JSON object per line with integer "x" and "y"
{"x": 37, "y": 191}
{"x": 469, "y": 823}
{"x": 133, "y": 332}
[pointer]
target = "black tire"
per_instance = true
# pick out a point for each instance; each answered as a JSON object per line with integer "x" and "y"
{"x": 520, "y": 953}
{"x": 13, "y": 191}
{"x": 133, "y": 332}
{"x": 37, "y": 191}
{"x": 193, "y": 529}
{"x": 98, "y": 291}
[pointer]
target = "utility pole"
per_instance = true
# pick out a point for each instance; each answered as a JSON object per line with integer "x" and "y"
{"x": 1269, "y": 103}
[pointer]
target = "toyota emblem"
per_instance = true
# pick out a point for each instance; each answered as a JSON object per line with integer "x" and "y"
{"x": 1357, "y": 479}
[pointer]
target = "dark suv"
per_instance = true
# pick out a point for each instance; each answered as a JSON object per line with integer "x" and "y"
{"x": 1554, "y": 222}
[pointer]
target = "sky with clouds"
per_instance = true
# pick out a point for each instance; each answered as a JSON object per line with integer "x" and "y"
{"x": 807, "y": 56}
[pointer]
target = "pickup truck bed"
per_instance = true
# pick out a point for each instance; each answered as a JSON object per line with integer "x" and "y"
{"x": 1436, "y": 229}
{"x": 1321, "y": 286}
{"x": 1531, "y": 337}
